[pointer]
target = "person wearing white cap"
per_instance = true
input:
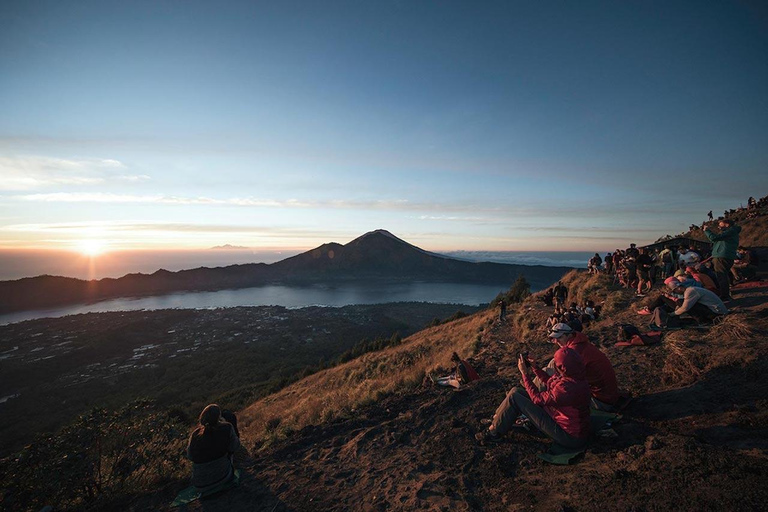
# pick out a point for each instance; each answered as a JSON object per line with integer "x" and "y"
{"x": 600, "y": 374}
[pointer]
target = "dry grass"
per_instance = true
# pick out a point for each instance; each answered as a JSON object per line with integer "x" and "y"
{"x": 683, "y": 364}
{"x": 340, "y": 391}
{"x": 734, "y": 327}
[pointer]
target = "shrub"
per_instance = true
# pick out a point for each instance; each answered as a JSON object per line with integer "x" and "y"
{"x": 101, "y": 456}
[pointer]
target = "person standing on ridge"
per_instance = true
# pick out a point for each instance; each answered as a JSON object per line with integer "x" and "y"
{"x": 726, "y": 243}
{"x": 502, "y": 310}
{"x": 561, "y": 294}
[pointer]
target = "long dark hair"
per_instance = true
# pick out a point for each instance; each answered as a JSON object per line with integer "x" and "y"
{"x": 210, "y": 417}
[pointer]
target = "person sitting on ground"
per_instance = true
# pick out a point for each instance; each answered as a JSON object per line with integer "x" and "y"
{"x": 552, "y": 320}
{"x": 462, "y": 374}
{"x": 744, "y": 267}
{"x": 600, "y": 374}
{"x": 211, "y": 447}
{"x": 701, "y": 277}
{"x": 561, "y": 411}
{"x": 700, "y": 303}
{"x": 573, "y": 320}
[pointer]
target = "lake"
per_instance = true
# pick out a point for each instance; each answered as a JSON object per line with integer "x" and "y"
{"x": 288, "y": 296}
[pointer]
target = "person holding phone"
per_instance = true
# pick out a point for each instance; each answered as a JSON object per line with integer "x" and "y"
{"x": 561, "y": 411}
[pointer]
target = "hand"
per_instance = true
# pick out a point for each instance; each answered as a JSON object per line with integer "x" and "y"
{"x": 532, "y": 362}
{"x": 521, "y": 365}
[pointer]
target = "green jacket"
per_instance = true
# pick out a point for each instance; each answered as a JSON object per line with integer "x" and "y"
{"x": 725, "y": 243}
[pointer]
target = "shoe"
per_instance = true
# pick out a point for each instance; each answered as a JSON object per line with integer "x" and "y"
{"x": 644, "y": 311}
{"x": 487, "y": 437}
{"x": 639, "y": 295}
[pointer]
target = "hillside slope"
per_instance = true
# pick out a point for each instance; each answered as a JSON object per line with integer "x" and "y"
{"x": 374, "y": 435}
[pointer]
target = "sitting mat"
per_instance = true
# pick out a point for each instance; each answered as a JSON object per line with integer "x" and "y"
{"x": 562, "y": 456}
{"x": 191, "y": 493}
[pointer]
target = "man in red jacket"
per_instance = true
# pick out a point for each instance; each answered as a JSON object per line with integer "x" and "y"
{"x": 600, "y": 374}
{"x": 561, "y": 411}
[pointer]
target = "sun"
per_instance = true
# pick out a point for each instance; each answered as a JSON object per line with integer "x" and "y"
{"x": 91, "y": 247}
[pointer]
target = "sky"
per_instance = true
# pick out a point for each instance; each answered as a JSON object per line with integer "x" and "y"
{"x": 455, "y": 125}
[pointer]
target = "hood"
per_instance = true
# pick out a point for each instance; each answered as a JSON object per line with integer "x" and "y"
{"x": 569, "y": 364}
{"x": 579, "y": 338}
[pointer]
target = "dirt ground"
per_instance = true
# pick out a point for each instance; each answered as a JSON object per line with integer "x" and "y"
{"x": 695, "y": 437}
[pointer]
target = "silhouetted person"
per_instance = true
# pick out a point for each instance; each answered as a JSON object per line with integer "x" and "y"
{"x": 211, "y": 447}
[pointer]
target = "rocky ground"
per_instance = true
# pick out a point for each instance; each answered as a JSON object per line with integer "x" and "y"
{"x": 695, "y": 436}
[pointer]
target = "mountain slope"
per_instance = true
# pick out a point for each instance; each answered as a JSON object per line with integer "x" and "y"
{"x": 371, "y": 435}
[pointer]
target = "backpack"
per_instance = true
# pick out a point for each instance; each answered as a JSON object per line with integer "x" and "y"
{"x": 626, "y": 331}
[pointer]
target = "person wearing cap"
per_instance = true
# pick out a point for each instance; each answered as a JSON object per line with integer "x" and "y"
{"x": 561, "y": 411}
{"x": 601, "y": 377}
{"x": 700, "y": 303}
{"x": 726, "y": 244}
{"x": 211, "y": 446}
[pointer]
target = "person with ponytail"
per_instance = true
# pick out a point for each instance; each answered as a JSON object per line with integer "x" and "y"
{"x": 211, "y": 446}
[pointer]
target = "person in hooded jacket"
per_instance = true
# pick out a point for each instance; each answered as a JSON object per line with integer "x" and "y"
{"x": 601, "y": 377}
{"x": 561, "y": 411}
{"x": 210, "y": 448}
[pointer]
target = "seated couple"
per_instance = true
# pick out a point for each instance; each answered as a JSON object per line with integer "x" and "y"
{"x": 211, "y": 447}
{"x": 557, "y": 399}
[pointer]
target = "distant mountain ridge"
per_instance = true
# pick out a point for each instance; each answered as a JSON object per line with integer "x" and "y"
{"x": 376, "y": 255}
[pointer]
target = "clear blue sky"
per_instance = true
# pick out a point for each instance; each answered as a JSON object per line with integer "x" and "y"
{"x": 455, "y": 125}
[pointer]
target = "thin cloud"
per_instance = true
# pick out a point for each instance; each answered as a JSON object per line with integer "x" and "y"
{"x": 36, "y": 172}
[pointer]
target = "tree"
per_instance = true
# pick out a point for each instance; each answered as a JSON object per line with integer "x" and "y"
{"x": 519, "y": 290}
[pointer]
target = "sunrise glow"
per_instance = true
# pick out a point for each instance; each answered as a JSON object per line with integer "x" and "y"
{"x": 91, "y": 248}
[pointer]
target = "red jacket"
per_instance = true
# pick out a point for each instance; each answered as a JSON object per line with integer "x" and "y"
{"x": 567, "y": 396}
{"x": 600, "y": 374}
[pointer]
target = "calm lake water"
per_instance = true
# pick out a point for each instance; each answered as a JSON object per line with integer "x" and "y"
{"x": 288, "y": 296}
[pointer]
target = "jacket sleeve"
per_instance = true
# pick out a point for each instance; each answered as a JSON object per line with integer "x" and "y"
{"x": 688, "y": 301}
{"x": 723, "y": 235}
{"x": 541, "y": 374}
{"x": 538, "y": 398}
